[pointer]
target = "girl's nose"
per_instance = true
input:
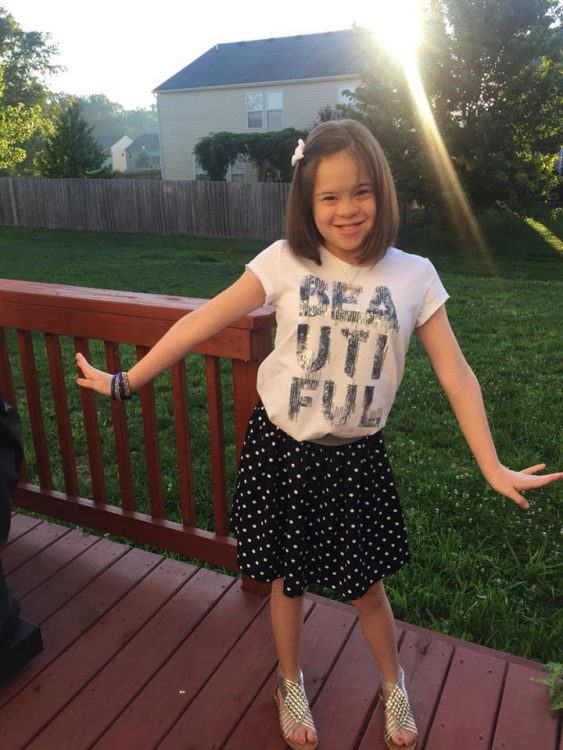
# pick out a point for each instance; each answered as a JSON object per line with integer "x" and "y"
{"x": 348, "y": 207}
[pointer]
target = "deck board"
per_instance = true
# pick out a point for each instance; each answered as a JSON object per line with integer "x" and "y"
{"x": 142, "y": 651}
{"x": 223, "y": 612}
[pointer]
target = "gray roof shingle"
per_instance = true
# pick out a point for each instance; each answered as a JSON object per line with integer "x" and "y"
{"x": 147, "y": 140}
{"x": 325, "y": 55}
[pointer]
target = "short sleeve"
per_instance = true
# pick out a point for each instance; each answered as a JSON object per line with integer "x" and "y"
{"x": 434, "y": 295}
{"x": 265, "y": 266}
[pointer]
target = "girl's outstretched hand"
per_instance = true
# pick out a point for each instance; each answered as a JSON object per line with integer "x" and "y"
{"x": 512, "y": 483}
{"x": 95, "y": 380}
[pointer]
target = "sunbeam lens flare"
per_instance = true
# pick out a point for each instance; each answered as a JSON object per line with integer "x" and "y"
{"x": 397, "y": 26}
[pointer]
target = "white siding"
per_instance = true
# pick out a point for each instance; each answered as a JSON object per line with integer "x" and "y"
{"x": 187, "y": 116}
{"x": 118, "y": 154}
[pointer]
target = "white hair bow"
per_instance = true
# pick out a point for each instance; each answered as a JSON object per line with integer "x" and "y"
{"x": 298, "y": 153}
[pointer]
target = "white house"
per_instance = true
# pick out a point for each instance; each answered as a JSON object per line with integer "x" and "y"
{"x": 268, "y": 84}
{"x": 119, "y": 154}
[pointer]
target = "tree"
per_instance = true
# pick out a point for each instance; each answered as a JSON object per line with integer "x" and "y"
{"x": 111, "y": 118}
{"x": 328, "y": 113}
{"x": 140, "y": 121}
{"x": 72, "y": 150}
{"x": 26, "y": 60}
{"x": 143, "y": 160}
{"x": 25, "y": 57}
{"x": 216, "y": 152}
{"x": 269, "y": 150}
{"x": 273, "y": 149}
{"x": 493, "y": 74}
{"x": 17, "y": 123}
{"x": 105, "y": 117}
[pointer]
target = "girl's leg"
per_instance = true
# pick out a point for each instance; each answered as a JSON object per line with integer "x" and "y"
{"x": 287, "y": 624}
{"x": 378, "y": 626}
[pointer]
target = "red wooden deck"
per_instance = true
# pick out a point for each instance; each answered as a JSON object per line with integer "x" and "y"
{"x": 143, "y": 651}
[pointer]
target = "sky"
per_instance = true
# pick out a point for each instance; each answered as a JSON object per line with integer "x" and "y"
{"x": 125, "y": 50}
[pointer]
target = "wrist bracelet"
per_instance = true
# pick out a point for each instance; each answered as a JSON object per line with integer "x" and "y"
{"x": 120, "y": 390}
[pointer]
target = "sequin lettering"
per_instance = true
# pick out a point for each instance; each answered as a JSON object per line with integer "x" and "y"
{"x": 354, "y": 339}
{"x": 314, "y": 299}
{"x": 306, "y": 354}
{"x": 366, "y": 329}
{"x": 344, "y": 294}
{"x": 379, "y": 357}
{"x": 296, "y": 399}
{"x": 370, "y": 418}
{"x": 338, "y": 415}
{"x": 382, "y": 309}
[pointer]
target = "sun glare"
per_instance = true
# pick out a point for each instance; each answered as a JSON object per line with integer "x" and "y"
{"x": 397, "y": 26}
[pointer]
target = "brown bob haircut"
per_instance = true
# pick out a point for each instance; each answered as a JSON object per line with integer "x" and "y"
{"x": 330, "y": 138}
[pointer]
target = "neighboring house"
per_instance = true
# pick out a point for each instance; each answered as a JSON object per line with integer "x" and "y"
{"x": 143, "y": 152}
{"x": 118, "y": 153}
{"x": 106, "y": 142}
{"x": 114, "y": 146}
{"x": 269, "y": 84}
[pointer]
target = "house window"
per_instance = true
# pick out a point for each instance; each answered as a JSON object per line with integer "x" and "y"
{"x": 254, "y": 110}
{"x": 274, "y": 110}
{"x": 264, "y": 109}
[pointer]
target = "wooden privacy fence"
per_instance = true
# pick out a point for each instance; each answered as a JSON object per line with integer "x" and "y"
{"x": 65, "y": 320}
{"x": 199, "y": 209}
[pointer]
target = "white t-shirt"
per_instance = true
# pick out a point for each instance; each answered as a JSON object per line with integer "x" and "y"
{"x": 342, "y": 335}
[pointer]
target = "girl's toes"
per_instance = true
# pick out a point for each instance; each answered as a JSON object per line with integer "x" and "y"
{"x": 404, "y": 738}
{"x": 298, "y": 736}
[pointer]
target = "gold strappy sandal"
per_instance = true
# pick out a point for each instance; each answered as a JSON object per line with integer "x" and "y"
{"x": 294, "y": 710}
{"x": 398, "y": 714}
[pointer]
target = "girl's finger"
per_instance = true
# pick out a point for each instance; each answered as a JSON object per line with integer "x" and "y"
{"x": 519, "y": 500}
{"x": 84, "y": 383}
{"x": 533, "y": 469}
{"x": 87, "y": 369}
{"x": 541, "y": 481}
{"x": 81, "y": 362}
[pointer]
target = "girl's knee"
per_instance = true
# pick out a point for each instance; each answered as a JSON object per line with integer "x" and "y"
{"x": 277, "y": 590}
{"x": 374, "y": 597}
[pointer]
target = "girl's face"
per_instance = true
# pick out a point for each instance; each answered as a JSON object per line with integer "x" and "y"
{"x": 343, "y": 205}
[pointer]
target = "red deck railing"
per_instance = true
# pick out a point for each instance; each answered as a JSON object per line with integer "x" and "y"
{"x": 30, "y": 311}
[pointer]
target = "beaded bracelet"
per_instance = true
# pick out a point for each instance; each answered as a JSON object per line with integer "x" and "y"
{"x": 120, "y": 389}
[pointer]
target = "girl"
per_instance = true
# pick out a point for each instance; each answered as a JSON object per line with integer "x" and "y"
{"x": 315, "y": 499}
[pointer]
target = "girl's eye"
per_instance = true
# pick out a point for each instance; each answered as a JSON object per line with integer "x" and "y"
{"x": 364, "y": 191}
{"x": 328, "y": 198}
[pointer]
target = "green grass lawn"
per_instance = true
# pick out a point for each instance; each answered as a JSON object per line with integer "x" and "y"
{"x": 481, "y": 568}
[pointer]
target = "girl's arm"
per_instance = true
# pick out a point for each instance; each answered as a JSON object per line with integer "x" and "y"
{"x": 245, "y": 295}
{"x": 464, "y": 394}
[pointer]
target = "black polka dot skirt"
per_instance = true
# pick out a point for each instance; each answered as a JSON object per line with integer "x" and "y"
{"x": 316, "y": 514}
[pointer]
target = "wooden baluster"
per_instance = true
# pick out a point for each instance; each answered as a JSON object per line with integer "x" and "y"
{"x": 119, "y": 419}
{"x": 217, "y": 441}
{"x": 62, "y": 416}
{"x": 7, "y": 388}
{"x": 92, "y": 429}
{"x": 152, "y": 450}
{"x": 245, "y": 396}
{"x": 35, "y": 410}
{"x": 183, "y": 443}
